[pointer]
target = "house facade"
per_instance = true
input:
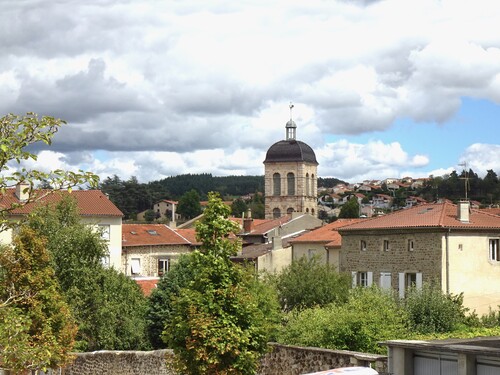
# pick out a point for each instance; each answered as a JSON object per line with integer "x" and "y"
{"x": 94, "y": 207}
{"x": 324, "y": 243}
{"x": 149, "y": 250}
{"x": 447, "y": 244}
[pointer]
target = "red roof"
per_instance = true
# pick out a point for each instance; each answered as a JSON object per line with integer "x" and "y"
{"x": 147, "y": 285}
{"x": 327, "y": 234}
{"x": 262, "y": 226}
{"x": 437, "y": 215}
{"x": 155, "y": 235}
{"x": 89, "y": 202}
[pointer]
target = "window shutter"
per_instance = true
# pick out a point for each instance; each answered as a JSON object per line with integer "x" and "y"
{"x": 401, "y": 285}
{"x": 419, "y": 280}
{"x": 354, "y": 275}
{"x": 370, "y": 278}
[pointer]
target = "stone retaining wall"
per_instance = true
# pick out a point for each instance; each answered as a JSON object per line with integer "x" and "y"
{"x": 281, "y": 360}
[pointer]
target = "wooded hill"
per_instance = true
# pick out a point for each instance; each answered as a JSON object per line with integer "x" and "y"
{"x": 132, "y": 197}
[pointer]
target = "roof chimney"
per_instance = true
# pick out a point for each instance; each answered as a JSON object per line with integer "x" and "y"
{"x": 22, "y": 191}
{"x": 463, "y": 210}
{"x": 277, "y": 242}
{"x": 248, "y": 222}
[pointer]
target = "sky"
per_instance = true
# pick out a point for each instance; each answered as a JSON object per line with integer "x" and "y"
{"x": 152, "y": 89}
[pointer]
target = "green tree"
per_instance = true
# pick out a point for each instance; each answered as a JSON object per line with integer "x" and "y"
{"x": 306, "y": 283}
{"x": 17, "y": 133}
{"x": 238, "y": 207}
{"x": 38, "y": 330}
{"x": 149, "y": 215}
{"x": 189, "y": 205}
{"x": 350, "y": 209}
{"x": 160, "y": 300}
{"x": 108, "y": 307}
{"x": 216, "y": 325}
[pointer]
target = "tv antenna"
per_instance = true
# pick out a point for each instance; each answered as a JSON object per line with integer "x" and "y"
{"x": 465, "y": 178}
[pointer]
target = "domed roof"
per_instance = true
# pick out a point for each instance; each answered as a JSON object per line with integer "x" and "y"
{"x": 290, "y": 150}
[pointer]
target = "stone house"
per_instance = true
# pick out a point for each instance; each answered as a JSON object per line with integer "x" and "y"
{"x": 448, "y": 244}
{"x": 148, "y": 250}
{"x": 94, "y": 208}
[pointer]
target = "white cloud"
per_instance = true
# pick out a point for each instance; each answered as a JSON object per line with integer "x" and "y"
{"x": 482, "y": 157}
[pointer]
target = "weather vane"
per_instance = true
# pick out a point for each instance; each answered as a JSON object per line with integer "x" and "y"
{"x": 465, "y": 178}
{"x": 291, "y": 107}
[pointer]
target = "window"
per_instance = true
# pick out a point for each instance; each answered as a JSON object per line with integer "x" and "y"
{"x": 105, "y": 260}
{"x": 276, "y": 184}
{"x": 104, "y": 229}
{"x": 290, "y": 180}
{"x": 307, "y": 184}
{"x": 386, "y": 245}
{"x": 135, "y": 266}
{"x": 362, "y": 245}
{"x": 276, "y": 213}
{"x": 290, "y": 210}
{"x": 163, "y": 266}
{"x": 494, "y": 249}
{"x": 407, "y": 280}
{"x": 385, "y": 280}
{"x": 410, "y": 245}
{"x": 362, "y": 278}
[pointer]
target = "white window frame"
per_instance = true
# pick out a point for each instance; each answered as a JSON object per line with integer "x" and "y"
{"x": 163, "y": 271}
{"x": 403, "y": 281}
{"x": 385, "y": 276}
{"x": 135, "y": 266}
{"x": 362, "y": 278}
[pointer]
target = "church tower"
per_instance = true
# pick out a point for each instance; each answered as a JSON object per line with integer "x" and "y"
{"x": 290, "y": 176}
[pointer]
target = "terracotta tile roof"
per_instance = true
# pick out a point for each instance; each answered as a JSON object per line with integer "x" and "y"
{"x": 90, "y": 202}
{"x": 491, "y": 211}
{"x": 262, "y": 226}
{"x": 151, "y": 234}
{"x": 437, "y": 215}
{"x": 327, "y": 234}
{"x": 147, "y": 285}
{"x": 189, "y": 234}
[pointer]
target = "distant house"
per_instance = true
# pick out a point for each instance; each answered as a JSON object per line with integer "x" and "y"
{"x": 149, "y": 250}
{"x": 263, "y": 230}
{"x": 94, "y": 208}
{"x": 382, "y": 201}
{"x": 164, "y": 209}
{"x": 445, "y": 243}
{"x": 323, "y": 242}
{"x": 413, "y": 201}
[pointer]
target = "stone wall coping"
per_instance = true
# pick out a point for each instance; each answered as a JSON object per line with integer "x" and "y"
{"x": 357, "y": 355}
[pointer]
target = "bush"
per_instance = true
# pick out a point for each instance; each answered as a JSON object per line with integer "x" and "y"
{"x": 306, "y": 283}
{"x": 430, "y": 310}
{"x": 369, "y": 316}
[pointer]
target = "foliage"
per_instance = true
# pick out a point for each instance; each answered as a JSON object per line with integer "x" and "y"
{"x": 306, "y": 283}
{"x": 17, "y": 133}
{"x": 160, "y": 301}
{"x": 149, "y": 216}
{"x": 108, "y": 307}
{"x": 216, "y": 325}
{"x": 37, "y": 329}
{"x": 370, "y": 315}
{"x": 238, "y": 207}
{"x": 189, "y": 204}
{"x": 350, "y": 209}
{"x": 430, "y": 310}
{"x": 130, "y": 196}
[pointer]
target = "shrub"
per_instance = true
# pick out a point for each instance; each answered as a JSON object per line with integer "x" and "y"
{"x": 369, "y": 316}
{"x": 306, "y": 283}
{"x": 430, "y": 310}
